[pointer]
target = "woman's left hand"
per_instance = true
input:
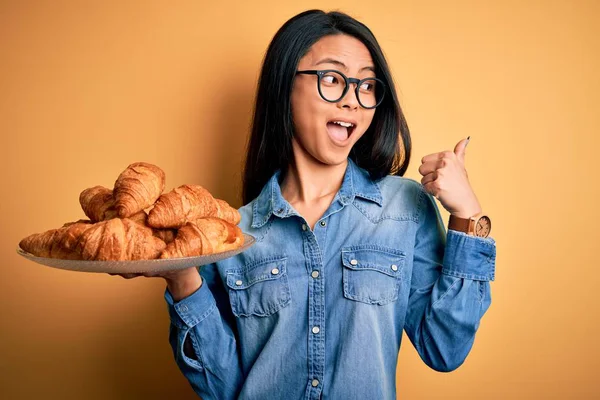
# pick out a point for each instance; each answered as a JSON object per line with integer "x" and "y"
{"x": 445, "y": 177}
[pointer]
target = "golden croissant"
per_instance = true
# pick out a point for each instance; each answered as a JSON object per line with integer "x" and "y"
{"x": 98, "y": 203}
{"x": 228, "y": 213}
{"x": 119, "y": 239}
{"x": 57, "y": 243}
{"x": 205, "y": 236}
{"x": 140, "y": 217}
{"x": 187, "y": 203}
{"x": 137, "y": 188}
{"x": 166, "y": 235}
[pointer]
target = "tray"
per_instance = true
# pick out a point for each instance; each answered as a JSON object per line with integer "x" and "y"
{"x": 138, "y": 266}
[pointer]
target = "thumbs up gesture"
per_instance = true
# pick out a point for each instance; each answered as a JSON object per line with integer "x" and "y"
{"x": 445, "y": 177}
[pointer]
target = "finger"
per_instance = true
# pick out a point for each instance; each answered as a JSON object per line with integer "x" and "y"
{"x": 153, "y": 274}
{"x": 460, "y": 149}
{"x": 436, "y": 156}
{"x": 432, "y": 166}
{"x": 427, "y": 168}
{"x": 429, "y": 178}
{"x": 430, "y": 157}
{"x": 130, "y": 276}
{"x": 431, "y": 189}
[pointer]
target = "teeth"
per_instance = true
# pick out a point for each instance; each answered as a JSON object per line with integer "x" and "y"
{"x": 344, "y": 124}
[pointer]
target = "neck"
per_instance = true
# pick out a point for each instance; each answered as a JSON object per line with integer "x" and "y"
{"x": 308, "y": 180}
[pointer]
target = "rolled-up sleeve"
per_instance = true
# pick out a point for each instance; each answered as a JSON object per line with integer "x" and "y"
{"x": 450, "y": 289}
{"x": 469, "y": 257}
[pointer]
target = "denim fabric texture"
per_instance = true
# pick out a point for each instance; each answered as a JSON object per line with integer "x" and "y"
{"x": 319, "y": 313}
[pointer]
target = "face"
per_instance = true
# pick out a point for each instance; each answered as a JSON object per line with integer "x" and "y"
{"x": 317, "y": 135}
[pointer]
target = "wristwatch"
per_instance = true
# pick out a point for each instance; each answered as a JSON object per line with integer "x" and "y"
{"x": 479, "y": 225}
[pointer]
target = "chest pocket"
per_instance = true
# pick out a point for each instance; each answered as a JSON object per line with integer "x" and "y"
{"x": 259, "y": 289}
{"x": 372, "y": 274}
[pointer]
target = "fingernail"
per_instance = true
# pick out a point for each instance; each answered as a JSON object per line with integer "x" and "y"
{"x": 468, "y": 139}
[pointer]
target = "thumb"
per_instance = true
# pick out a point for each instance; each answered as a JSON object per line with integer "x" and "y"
{"x": 460, "y": 149}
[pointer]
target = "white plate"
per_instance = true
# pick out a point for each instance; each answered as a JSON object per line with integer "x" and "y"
{"x": 119, "y": 267}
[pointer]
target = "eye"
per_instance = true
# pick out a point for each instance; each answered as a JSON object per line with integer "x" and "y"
{"x": 367, "y": 86}
{"x": 331, "y": 78}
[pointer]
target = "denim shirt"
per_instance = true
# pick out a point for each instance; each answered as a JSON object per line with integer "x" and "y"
{"x": 311, "y": 314}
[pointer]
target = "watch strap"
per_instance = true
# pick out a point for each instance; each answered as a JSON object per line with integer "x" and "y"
{"x": 460, "y": 224}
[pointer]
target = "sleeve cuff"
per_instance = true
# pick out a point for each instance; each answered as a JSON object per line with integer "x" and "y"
{"x": 188, "y": 312}
{"x": 469, "y": 257}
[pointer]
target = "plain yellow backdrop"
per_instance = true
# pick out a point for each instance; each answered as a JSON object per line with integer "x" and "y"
{"x": 88, "y": 87}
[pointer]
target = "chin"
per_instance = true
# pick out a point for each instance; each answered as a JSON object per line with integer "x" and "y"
{"x": 333, "y": 158}
{"x": 324, "y": 151}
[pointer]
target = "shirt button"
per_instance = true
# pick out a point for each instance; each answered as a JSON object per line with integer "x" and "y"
{"x": 353, "y": 262}
{"x": 394, "y": 267}
{"x": 323, "y": 223}
{"x": 315, "y": 274}
{"x": 304, "y": 227}
{"x": 279, "y": 210}
{"x": 184, "y": 308}
{"x": 275, "y": 271}
{"x": 238, "y": 283}
{"x": 315, "y": 330}
{"x": 315, "y": 383}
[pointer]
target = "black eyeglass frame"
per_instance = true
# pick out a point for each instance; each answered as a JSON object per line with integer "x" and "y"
{"x": 348, "y": 81}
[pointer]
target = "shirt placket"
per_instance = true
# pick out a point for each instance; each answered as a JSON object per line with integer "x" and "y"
{"x": 316, "y": 312}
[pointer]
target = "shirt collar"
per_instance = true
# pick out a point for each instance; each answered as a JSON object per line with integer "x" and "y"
{"x": 356, "y": 183}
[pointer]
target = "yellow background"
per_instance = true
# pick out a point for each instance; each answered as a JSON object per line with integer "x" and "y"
{"x": 88, "y": 87}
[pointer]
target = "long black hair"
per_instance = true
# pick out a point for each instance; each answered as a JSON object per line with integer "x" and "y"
{"x": 270, "y": 145}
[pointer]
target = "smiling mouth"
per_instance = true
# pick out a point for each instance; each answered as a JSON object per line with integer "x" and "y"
{"x": 340, "y": 130}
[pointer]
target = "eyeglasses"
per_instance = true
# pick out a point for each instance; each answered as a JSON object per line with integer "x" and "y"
{"x": 333, "y": 86}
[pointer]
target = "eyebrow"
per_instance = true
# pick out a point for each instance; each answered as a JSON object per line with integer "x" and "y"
{"x": 341, "y": 64}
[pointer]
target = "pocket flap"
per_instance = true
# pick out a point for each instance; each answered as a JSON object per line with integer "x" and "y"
{"x": 264, "y": 271}
{"x": 371, "y": 257}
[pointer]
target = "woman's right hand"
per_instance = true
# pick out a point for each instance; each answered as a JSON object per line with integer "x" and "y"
{"x": 181, "y": 283}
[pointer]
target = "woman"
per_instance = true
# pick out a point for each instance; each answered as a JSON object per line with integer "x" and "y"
{"x": 348, "y": 254}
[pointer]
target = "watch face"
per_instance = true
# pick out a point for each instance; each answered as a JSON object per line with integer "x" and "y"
{"x": 483, "y": 227}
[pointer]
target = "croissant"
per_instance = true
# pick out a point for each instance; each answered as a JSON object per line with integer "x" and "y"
{"x": 166, "y": 235}
{"x": 137, "y": 188}
{"x": 187, "y": 203}
{"x": 205, "y": 236}
{"x": 65, "y": 243}
{"x": 84, "y": 221}
{"x": 98, "y": 203}
{"x": 180, "y": 206}
{"x": 39, "y": 244}
{"x": 57, "y": 243}
{"x": 140, "y": 217}
{"x": 228, "y": 213}
{"x": 119, "y": 239}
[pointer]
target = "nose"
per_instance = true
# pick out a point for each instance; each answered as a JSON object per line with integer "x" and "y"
{"x": 349, "y": 100}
